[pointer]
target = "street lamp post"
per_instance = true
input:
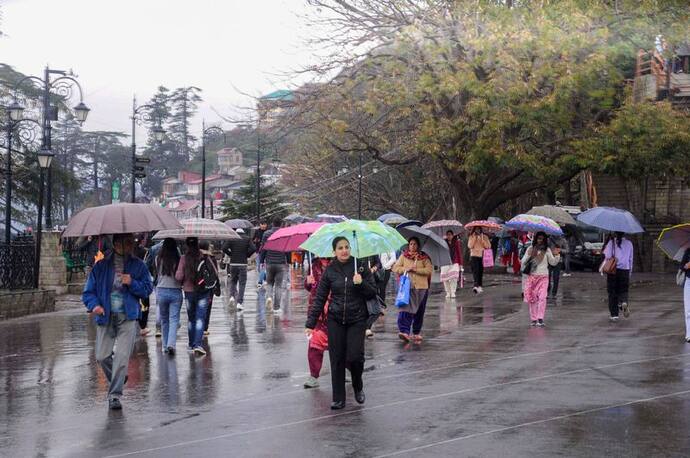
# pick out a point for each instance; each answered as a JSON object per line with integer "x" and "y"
{"x": 359, "y": 188}
{"x": 258, "y": 171}
{"x": 45, "y": 158}
{"x": 16, "y": 126}
{"x": 142, "y": 114}
{"x": 213, "y": 130}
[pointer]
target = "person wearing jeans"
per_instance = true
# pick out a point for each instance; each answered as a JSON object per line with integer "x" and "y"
{"x": 617, "y": 284}
{"x": 276, "y": 265}
{"x": 168, "y": 292}
{"x": 197, "y": 301}
{"x": 239, "y": 250}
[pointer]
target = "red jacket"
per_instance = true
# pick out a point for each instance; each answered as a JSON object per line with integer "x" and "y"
{"x": 455, "y": 251}
{"x": 319, "y": 338}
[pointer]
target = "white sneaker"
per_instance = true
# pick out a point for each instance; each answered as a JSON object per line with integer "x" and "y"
{"x": 269, "y": 303}
{"x": 447, "y": 295}
{"x": 614, "y": 318}
{"x": 475, "y": 290}
{"x": 452, "y": 295}
{"x": 240, "y": 307}
{"x": 231, "y": 301}
{"x": 369, "y": 333}
{"x": 567, "y": 275}
{"x": 480, "y": 289}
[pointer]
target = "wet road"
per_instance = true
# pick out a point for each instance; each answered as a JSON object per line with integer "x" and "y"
{"x": 483, "y": 383}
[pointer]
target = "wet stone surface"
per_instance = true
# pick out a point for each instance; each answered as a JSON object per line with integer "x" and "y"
{"x": 483, "y": 383}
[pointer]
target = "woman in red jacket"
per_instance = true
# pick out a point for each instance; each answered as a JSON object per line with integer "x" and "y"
{"x": 318, "y": 343}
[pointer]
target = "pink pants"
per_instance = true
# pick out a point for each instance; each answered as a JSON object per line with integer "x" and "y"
{"x": 536, "y": 290}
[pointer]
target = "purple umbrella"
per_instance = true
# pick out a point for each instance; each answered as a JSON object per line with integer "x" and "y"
{"x": 611, "y": 219}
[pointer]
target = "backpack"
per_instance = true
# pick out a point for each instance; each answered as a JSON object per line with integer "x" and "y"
{"x": 206, "y": 276}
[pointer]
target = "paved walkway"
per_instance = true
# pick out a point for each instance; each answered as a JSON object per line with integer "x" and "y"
{"x": 482, "y": 384}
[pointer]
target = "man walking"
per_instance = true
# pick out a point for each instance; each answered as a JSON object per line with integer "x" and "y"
{"x": 112, "y": 293}
{"x": 276, "y": 265}
{"x": 238, "y": 251}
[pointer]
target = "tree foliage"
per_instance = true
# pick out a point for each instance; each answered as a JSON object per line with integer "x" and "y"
{"x": 243, "y": 204}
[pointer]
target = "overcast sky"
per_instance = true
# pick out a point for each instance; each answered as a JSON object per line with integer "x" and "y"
{"x": 123, "y": 47}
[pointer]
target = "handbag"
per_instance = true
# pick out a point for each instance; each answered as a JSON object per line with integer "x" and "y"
{"x": 402, "y": 299}
{"x": 526, "y": 268}
{"x": 488, "y": 258}
{"x": 680, "y": 277}
{"x": 609, "y": 266}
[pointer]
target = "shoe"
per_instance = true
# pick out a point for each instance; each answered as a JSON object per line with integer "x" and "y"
{"x": 337, "y": 405}
{"x": 475, "y": 290}
{"x": 452, "y": 295}
{"x": 269, "y": 303}
{"x": 206, "y": 333}
{"x": 144, "y": 332}
{"x": 567, "y": 275}
{"x": 259, "y": 286}
{"x": 369, "y": 333}
{"x": 165, "y": 350}
{"x": 540, "y": 323}
{"x": 447, "y": 295}
{"x": 417, "y": 337}
{"x": 481, "y": 290}
{"x": 687, "y": 339}
{"x": 360, "y": 397}
{"x": 240, "y": 307}
{"x": 404, "y": 337}
{"x": 533, "y": 323}
{"x": 199, "y": 351}
{"x": 311, "y": 382}
{"x": 171, "y": 351}
{"x": 613, "y": 318}
{"x": 626, "y": 309}
{"x": 231, "y": 301}
{"x": 114, "y": 404}
{"x": 158, "y": 332}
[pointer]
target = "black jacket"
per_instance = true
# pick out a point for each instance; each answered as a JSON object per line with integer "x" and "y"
{"x": 239, "y": 250}
{"x": 270, "y": 256}
{"x": 348, "y": 301}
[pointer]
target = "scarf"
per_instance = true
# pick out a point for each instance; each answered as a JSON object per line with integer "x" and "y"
{"x": 419, "y": 256}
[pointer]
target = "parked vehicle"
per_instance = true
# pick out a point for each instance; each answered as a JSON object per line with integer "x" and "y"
{"x": 589, "y": 244}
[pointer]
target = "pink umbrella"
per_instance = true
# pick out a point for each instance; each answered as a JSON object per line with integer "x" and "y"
{"x": 289, "y": 239}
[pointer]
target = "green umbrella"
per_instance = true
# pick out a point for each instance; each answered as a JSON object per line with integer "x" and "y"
{"x": 367, "y": 238}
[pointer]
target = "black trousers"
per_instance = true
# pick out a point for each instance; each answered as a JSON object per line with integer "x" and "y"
{"x": 383, "y": 284}
{"x": 477, "y": 264}
{"x": 554, "y": 278}
{"x": 617, "y": 286}
{"x": 144, "y": 313}
{"x": 346, "y": 348}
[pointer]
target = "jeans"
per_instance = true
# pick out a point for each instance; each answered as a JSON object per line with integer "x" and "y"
{"x": 237, "y": 274}
{"x": 197, "y": 303}
{"x": 617, "y": 286}
{"x": 169, "y": 303}
{"x": 554, "y": 279}
{"x": 275, "y": 274}
{"x": 261, "y": 273}
{"x": 114, "y": 364}
{"x": 346, "y": 348}
{"x": 477, "y": 263}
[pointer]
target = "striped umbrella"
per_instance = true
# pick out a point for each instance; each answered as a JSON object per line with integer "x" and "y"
{"x": 534, "y": 223}
{"x": 202, "y": 228}
{"x": 673, "y": 241}
{"x": 486, "y": 225}
{"x": 367, "y": 238}
{"x": 442, "y": 226}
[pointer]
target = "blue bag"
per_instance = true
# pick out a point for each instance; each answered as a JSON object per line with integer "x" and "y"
{"x": 402, "y": 299}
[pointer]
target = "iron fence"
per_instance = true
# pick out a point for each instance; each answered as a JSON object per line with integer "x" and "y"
{"x": 17, "y": 264}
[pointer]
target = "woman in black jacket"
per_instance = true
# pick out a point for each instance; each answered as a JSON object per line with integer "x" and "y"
{"x": 347, "y": 318}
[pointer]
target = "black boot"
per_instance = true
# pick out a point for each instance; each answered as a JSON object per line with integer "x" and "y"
{"x": 337, "y": 405}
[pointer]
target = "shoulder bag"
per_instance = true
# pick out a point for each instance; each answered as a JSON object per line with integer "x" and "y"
{"x": 609, "y": 266}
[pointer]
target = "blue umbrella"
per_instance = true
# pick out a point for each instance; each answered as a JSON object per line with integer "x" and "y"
{"x": 611, "y": 219}
{"x": 391, "y": 216}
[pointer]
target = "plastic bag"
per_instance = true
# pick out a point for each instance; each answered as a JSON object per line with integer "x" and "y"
{"x": 402, "y": 299}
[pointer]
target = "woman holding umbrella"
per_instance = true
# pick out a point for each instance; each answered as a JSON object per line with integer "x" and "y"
{"x": 477, "y": 243}
{"x": 620, "y": 249}
{"x": 536, "y": 262}
{"x": 418, "y": 266}
{"x": 349, "y": 288}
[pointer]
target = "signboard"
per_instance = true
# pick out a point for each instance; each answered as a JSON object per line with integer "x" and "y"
{"x": 116, "y": 191}
{"x": 139, "y": 175}
{"x": 143, "y": 160}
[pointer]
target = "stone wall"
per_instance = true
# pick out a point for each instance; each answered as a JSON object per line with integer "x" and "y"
{"x": 14, "y": 304}
{"x": 53, "y": 274}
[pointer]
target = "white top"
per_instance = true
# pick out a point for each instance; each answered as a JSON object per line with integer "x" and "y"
{"x": 387, "y": 260}
{"x": 543, "y": 267}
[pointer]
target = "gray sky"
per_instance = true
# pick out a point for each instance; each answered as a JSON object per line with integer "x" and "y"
{"x": 122, "y": 47}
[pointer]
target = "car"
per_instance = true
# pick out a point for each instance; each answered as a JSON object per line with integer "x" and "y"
{"x": 586, "y": 246}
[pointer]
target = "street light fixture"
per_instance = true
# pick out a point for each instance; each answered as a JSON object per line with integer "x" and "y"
{"x": 82, "y": 112}
{"x": 158, "y": 134}
{"x": 141, "y": 114}
{"x": 16, "y": 111}
{"x": 45, "y": 158}
{"x": 213, "y": 130}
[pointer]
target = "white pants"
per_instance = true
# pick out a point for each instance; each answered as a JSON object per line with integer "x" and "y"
{"x": 686, "y": 297}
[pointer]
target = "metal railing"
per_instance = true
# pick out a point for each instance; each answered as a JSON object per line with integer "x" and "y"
{"x": 17, "y": 262}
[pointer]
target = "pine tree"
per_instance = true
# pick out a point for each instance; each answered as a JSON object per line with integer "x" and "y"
{"x": 243, "y": 205}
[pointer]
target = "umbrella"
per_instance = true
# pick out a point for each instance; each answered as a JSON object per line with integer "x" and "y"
{"x": 534, "y": 223}
{"x": 391, "y": 218}
{"x": 611, "y": 219}
{"x": 487, "y": 225}
{"x": 444, "y": 225}
{"x": 553, "y": 212}
{"x": 123, "y": 218}
{"x": 239, "y": 224}
{"x": 326, "y": 218}
{"x": 205, "y": 229}
{"x": 409, "y": 222}
{"x": 296, "y": 218}
{"x": 367, "y": 238}
{"x": 432, "y": 244}
{"x": 289, "y": 239}
{"x": 674, "y": 241}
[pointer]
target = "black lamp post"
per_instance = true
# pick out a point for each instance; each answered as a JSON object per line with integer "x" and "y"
{"x": 45, "y": 158}
{"x": 207, "y": 131}
{"x": 16, "y": 126}
{"x": 62, "y": 87}
{"x": 142, "y": 114}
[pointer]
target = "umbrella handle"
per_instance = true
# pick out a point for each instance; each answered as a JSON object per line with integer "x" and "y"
{"x": 309, "y": 257}
{"x": 354, "y": 240}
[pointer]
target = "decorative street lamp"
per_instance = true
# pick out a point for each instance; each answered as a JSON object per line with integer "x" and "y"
{"x": 143, "y": 114}
{"x": 210, "y": 131}
{"x": 45, "y": 158}
{"x": 62, "y": 87}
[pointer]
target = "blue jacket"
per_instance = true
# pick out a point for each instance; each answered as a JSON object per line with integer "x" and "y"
{"x": 100, "y": 283}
